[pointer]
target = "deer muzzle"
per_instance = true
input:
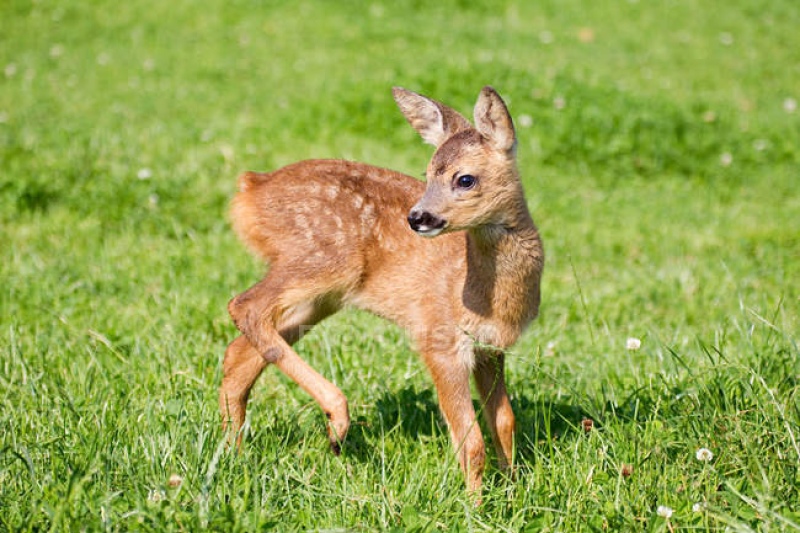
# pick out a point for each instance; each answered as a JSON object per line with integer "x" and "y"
{"x": 425, "y": 223}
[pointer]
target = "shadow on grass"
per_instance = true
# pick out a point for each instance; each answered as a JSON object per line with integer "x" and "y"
{"x": 541, "y": 422}
{"x": 412, "y": 413}
{"x": 415, "y": 414}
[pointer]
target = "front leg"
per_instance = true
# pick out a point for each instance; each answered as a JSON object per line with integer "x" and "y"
{"x": 490, "y": 381}
{"x": 450, "y": 374}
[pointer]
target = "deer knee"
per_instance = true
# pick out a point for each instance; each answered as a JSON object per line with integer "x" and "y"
{"x": 238, "y": 311}
{"x": 256, "y": 325}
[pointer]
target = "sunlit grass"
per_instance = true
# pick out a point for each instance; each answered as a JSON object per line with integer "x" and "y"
{"x": 659, "y": 146}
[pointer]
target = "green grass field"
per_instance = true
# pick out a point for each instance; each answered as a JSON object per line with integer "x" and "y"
{"x": 660, "y": 145}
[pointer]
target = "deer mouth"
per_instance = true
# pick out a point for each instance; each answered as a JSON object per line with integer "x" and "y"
{"x": 430, "y": 232}
{"x": 426, "y": 224}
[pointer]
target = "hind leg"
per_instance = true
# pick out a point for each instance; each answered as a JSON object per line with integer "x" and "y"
{"x": 332, "y": 401}
{"x": 243, "y": 363}
{"x": 241, "y": 367}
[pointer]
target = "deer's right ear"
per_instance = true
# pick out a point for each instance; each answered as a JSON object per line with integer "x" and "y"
{"x": 435, "y": 122}
{"x": 493, "y": 121}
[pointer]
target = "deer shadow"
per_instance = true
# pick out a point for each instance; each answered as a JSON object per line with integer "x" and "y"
{"x": 415, "y": 414}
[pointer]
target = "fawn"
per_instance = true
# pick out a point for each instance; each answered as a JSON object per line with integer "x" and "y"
{"x": 338, "y": 233}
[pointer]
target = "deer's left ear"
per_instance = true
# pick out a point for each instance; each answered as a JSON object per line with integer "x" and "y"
{"x": 493, "y": 121}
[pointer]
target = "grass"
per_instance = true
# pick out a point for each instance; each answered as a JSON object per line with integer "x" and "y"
{"x": 660, "y": 146}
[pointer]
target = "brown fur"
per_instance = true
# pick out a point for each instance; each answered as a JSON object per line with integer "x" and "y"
{"x": 335, "y": 234}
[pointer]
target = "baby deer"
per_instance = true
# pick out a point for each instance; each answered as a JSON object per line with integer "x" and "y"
{"x": 338, "y": 233}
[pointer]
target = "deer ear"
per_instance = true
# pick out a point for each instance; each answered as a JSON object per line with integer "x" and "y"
{"x": 435, "y": 122}
{"x": 493, "y": 121}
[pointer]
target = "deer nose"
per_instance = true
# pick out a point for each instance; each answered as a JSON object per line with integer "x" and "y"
{"x": 424, "y": 222}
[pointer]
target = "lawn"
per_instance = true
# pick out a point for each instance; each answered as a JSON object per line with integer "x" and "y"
{"x": 660, "y": 148}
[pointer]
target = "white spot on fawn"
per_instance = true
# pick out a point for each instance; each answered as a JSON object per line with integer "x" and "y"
{"x": 331, "y": 191}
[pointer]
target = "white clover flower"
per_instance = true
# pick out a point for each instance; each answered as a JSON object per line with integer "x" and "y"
{"x": 559, "y": 102}
{"x": 704, "y": 454}
{"x": 790, "y": 105}
{"x": 699, "y": 507}
{"x": 760, "y": 145}
{"x": 144, "y": 174}
{"x": 550, "y": 349}
{"x": 726, "y": 159}
{"x": 633, "y": 343}
{"x": 664, "y": 512}
{"x": 525, "y": 121}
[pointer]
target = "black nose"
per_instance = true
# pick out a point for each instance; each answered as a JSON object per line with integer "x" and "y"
{"x": 423, "y": 221}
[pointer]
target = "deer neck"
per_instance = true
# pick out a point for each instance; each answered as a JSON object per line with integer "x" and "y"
{"x": 504, "y": 265}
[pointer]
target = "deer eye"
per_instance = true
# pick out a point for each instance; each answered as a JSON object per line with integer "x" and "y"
{"x": 466, "y": 181}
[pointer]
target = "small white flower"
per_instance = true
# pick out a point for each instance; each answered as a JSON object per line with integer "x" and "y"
{"x": 10, "y": 70}
{"x": 525, "y": 121}
{"x": 156, "y": 495}
{"x": 633, "y": 343}
{"x": 663, "y": 511}
{"x": 726, "y": 159}
{"x": 704, "y": 454}
{"x": 790, "y": 105}
{"x": 760, "y": 145}
{"x": 144, "y": 173}
{"x": 559, "y": 102}
{"x": 57, "y": 50}
{"x": 699, "y": 507}
{"x": 550, "y": 349}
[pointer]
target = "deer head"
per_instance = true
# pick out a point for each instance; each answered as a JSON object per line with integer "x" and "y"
{"x": 472, "y": 177}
